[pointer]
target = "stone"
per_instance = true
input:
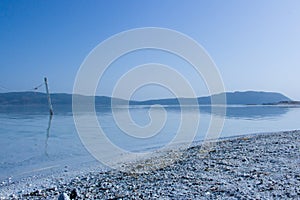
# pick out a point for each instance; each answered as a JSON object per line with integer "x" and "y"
{"x": 63, "y": 196}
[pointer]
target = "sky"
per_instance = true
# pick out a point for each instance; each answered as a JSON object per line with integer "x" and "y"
{"x": 255, "y": 44}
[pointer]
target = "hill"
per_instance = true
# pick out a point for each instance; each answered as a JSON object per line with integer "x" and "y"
{"x": 239, "y": 98}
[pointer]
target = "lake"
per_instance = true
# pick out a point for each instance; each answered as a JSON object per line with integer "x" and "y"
{"x": 31, "y": 142}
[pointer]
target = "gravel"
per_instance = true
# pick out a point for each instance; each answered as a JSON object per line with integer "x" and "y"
{"x": 262, "y": 166}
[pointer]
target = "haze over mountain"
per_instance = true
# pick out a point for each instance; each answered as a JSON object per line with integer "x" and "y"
{"x": 239, "y": 98}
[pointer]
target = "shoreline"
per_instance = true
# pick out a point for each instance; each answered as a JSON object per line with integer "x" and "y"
{"x": 260, "y": 165}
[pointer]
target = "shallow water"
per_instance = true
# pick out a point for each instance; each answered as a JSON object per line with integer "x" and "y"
{"x": 31, "y": 141}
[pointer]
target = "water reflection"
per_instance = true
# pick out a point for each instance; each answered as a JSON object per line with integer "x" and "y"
{"x": 248, "y": 112}
{"x": 243, "y": 112}
{"x": 30, "y": 137}
{"x": 237, "y": 112}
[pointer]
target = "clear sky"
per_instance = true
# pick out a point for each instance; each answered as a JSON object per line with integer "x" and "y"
{"x": 255, "y": 44}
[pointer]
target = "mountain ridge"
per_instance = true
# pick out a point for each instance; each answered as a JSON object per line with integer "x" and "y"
{"x": 239, "y": 98}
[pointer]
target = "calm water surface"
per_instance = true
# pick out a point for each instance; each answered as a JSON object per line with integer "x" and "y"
{"x": 31, "y": 141}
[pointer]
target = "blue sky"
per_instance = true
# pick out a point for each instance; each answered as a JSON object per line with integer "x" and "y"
{"x": 255, "y": 44}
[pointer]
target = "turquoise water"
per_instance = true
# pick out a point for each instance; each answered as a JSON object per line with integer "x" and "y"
{"x": 32, "y": 141}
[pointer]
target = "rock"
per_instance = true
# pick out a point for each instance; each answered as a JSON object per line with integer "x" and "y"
{"x": 74, "y": 194}
{"x": 63, "y": 196}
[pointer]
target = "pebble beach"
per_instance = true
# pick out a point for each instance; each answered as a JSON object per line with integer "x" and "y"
{"x": 259, "y": 166}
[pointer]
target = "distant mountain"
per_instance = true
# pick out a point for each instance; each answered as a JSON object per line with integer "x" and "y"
{"x": 240, "y": 98}
{"x": 23, "y": 98}
{"x": 38, "y": 98}
{"x": 253, "y": 97}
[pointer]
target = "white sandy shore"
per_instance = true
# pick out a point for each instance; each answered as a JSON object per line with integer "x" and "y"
{"x": 261, "y": 166}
